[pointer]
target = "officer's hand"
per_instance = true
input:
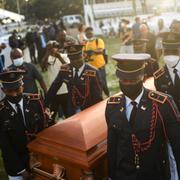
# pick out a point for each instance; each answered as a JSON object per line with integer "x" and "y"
{"x": 26, "y": 175}
{"x": 48, "y": 113}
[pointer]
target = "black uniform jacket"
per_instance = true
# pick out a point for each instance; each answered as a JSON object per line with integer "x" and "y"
{"x": 163, "y": 83}
{"x": 14, "y": 135}
{"x": 157, "y": 121}
{"x": 83, "y": 92}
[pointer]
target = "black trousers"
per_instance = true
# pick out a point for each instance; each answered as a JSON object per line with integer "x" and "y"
{"x": 102, "y": 73}
{"x": 32, "y": 53}
{"x": 60, "y": 105}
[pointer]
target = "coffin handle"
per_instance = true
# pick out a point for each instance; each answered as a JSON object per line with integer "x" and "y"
{"x": 41, "y": 172}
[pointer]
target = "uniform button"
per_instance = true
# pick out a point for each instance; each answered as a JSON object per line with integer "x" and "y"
{"x": 164, "y": 161}
{"x": 114, "y": 126}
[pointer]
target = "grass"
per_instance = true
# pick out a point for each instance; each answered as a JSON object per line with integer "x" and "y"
{"x": 113, "y": 47}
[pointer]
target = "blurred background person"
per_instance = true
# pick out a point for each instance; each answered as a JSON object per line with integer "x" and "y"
{"x": 55, "y": 59}
{"x": 146, "y": 34}
{"x": 94, "y": 50}
{"x": 2, "y": 58}
{"x": 160, "y": 29}
{"x": 16, "y": 41}
{"x": 2, "y": 66}
{"x": 62, "y": 40}
{"x": 40, "y": 41}
{"x": 30, "y": 41}
{"x": 136, "y": 28}
{"x": 81, "y": 35}
{"x": 32, "y": 74}
{"x": 126, "y": 37}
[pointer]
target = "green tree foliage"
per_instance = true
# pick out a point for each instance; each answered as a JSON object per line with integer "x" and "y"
{"x": 55, "y": 8}
{"x": 46, "y": 8}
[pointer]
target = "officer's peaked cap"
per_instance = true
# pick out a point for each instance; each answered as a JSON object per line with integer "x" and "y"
{"x": 73, "y": 50}
{"x": 137, "y": 57}
{"x": 170, "y": 40}
{"x": 11, "y": 79}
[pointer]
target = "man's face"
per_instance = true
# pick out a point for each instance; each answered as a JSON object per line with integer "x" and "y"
{"x": 76, "y": 61}
{"x": 144, "y": 29}
{"x": 16, "y": 54}
{"x": 13, "y": 92}
{"x": 89, "y": 34}
{"x": 134, "y": 75}
{"x": 62, "y": 36}
{"x": 171, "y": 57}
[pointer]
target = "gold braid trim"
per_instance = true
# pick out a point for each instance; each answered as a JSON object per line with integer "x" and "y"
{"x": 132, "y": 71}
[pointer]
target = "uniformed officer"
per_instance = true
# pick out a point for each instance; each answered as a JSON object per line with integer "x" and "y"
{"x": 21, "y": 117}
{"x": 167, "y": 79}
{"x": 139, "y": 46}
{"x": 83, "y": 82}
{"x": 140, "y": 122}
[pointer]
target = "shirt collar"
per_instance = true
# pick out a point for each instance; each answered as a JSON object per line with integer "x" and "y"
{"x": 137, "y": 100}
{"x": 20, "y": 103}
{"x": 177, "y": 67}
{"x": 80, "y": 70}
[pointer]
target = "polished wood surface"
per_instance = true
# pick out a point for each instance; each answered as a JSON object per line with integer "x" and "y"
{"x": 77, "y": 143}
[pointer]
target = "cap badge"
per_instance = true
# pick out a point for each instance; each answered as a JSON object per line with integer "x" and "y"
{"x": 143, "y": 108}
{"x": 72, "y": 49}
{"x": 121, "y": 109}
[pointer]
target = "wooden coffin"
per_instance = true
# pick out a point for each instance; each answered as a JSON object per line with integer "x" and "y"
{"x": 74, "y": 148}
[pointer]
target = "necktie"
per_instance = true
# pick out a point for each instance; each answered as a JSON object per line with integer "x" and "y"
{"x": 76, "y": 74}
{"x": 133, "y": 114}
{"x": 176, "y": 79}
{"x": 20, "y": 114}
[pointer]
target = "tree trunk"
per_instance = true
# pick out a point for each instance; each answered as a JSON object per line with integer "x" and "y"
{"x": 134, "y": 7}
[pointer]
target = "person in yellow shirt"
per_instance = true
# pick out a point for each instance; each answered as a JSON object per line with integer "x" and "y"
{"x": 93, "y": 50}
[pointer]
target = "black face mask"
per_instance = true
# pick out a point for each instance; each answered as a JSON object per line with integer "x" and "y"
{"x": 133, "y": 90}
{"x": 14, "y": 99}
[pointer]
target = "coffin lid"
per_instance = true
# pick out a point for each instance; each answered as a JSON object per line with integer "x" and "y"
{"x": 81, "y": 131}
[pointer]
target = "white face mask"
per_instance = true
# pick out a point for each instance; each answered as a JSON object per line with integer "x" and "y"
{"x": 171, "y": 60}
{"x": 18, "y": 62}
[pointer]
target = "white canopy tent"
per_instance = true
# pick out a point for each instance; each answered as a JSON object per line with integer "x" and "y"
{"x": 11, "y": 15}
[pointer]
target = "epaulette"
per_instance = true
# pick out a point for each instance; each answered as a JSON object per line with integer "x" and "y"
{"x": 158, "y": 73}
{"x": 114, "y": 100}
{"x": 90, "y": 73}
{"x": 157, "y": 96}
{"x": 2, "y": 105}
{"x": 65, "y": 68}
{"x": 32, "y": 96}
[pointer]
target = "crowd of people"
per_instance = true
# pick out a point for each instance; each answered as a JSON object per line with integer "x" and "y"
{"x": 75, "y": 67}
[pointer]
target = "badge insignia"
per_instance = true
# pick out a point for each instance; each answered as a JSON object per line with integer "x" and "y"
{"x": 143, "y": 108}
{"x": 169, "y": 83}
{"x": 121, "y": 109}
{"x": 27, "y": 110}
{"x": 12, "y": 113}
